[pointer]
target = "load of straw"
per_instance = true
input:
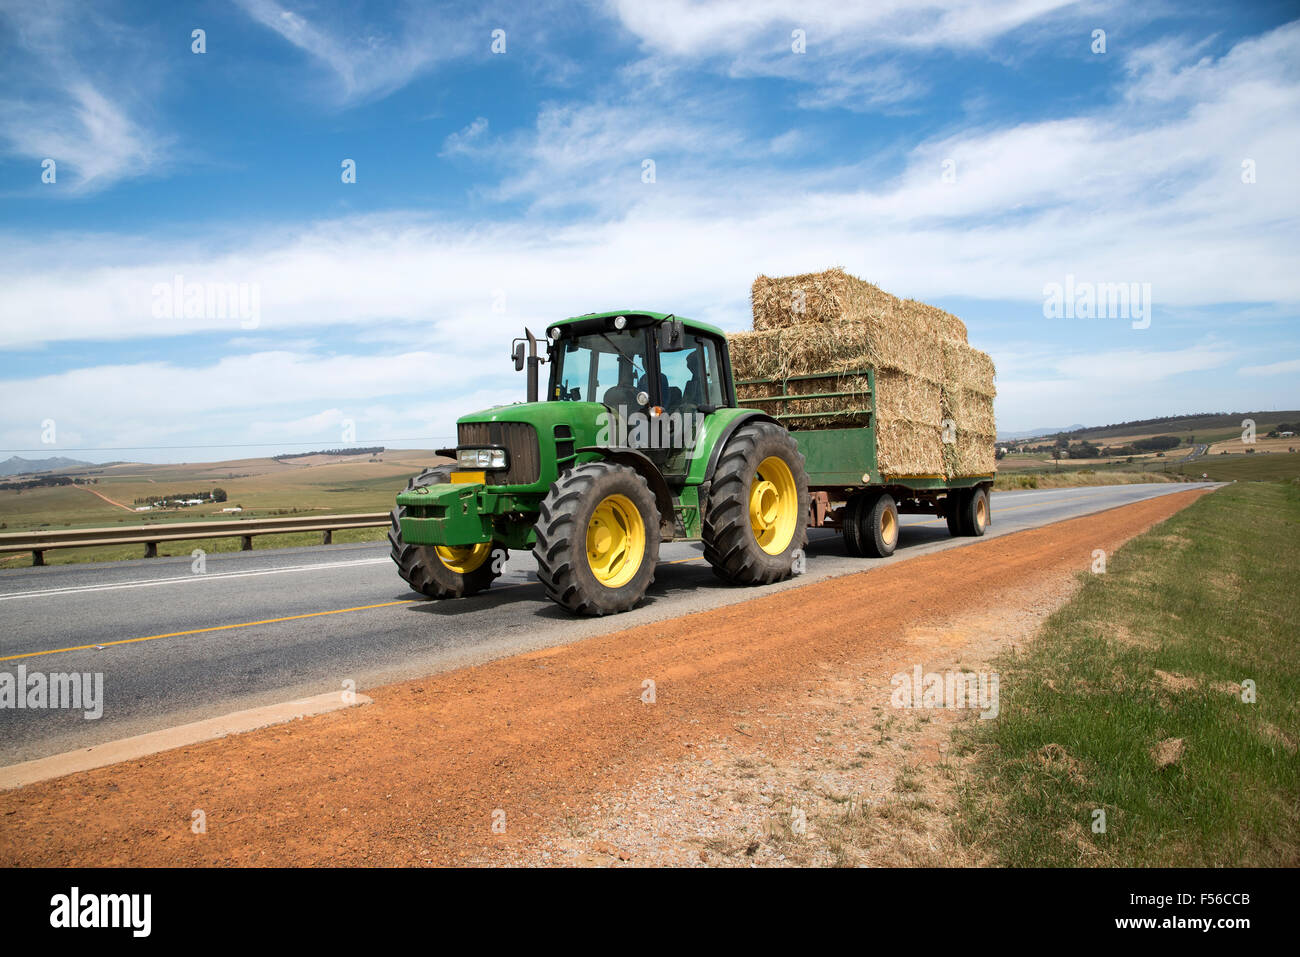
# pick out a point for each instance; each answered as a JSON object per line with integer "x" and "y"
{"x": 833, "y": 295}
{"x": 834, "y": 326}
{"x": 967, "y": 403}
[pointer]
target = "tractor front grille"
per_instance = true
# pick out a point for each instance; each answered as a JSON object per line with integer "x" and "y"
{"x": 519, "y": 439}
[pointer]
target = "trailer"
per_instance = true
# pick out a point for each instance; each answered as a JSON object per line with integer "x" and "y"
{"x": 640, "y": 439}
{"x": 846, "y": 489}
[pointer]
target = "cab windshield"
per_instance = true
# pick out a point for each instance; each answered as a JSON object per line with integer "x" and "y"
{"x": 608, "y": 367}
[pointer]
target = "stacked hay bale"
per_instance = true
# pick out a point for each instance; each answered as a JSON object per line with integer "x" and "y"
{"x": 967, "y": 401}
{"x": 833, "y": 325}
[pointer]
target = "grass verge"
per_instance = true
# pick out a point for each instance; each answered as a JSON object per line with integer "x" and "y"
{"x": 1130, "y": 702}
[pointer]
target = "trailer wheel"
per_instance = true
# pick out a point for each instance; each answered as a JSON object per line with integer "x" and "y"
{"x": 953, "y": 511}
{"x": 851, "y": 525}
{"x": 597, "y": 539}
{"x": 975, "y": 512}
{"x": 756, "y": 516}
{"x": 439, "y": 571}
{"x": 969, "y": 514}
{"x": 879, "y": 527}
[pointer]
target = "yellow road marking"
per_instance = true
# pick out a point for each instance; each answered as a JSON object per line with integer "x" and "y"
{"x": 199, "y": 631}
{"x": 386, "y": 604}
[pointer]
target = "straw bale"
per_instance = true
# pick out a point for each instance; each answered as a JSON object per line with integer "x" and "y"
{"x": 834, "y": 326}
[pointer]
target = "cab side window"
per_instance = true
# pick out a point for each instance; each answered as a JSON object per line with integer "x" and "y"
{"x": 694, "y": 375}
{"x": 712, "y": 373}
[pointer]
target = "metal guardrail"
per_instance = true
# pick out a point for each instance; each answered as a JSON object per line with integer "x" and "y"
{"x": 40, "y": 541}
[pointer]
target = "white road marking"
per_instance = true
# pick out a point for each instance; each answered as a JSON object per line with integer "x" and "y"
{"x": 1151, "y": 486}
{"x": 1064, "y": 494}
{"x": 190, "y": 579}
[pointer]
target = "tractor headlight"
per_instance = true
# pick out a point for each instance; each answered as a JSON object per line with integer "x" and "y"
{"x": 481, "y": 458}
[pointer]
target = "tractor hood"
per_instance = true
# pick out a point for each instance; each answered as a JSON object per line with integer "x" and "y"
{"x": 543, "y": 416}
{"x": 540, "y": 440}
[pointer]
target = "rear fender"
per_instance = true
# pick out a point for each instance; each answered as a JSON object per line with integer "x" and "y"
{"x": 725, "y": 436}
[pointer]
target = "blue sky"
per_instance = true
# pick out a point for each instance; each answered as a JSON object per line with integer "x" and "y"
{"x": 967, "y": 154}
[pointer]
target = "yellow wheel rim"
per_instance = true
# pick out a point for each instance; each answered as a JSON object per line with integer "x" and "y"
{"x": 773, "y": 505}
{"x": 981, "y": 513}
{"x": 615, "y": 541}
{"x": 463, "y": 559}
{"x": 888, "y": 526}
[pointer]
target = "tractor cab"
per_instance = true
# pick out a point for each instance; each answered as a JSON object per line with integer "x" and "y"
{"x": 656, "y": 376}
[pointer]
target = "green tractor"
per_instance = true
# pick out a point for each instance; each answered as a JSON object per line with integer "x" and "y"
{"x": 639, "y": 440}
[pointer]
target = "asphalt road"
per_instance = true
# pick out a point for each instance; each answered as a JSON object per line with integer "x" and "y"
{"x": 263, "y": 627}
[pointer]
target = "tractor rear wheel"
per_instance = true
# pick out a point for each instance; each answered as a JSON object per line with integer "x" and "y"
{"x": 597, "y": 539}
{"x": 756, "y": 516}
{"x": 440, "y": 571}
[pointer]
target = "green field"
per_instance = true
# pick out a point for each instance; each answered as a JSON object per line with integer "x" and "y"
{"x": 264, "y": 488}
{"x": 1208, "y": 427}
{"x": 1191, "y": 432}
{"x": 1257, "y": 467}
{"x": 1243, "y": 468}
{"x": 1130, "y": 702}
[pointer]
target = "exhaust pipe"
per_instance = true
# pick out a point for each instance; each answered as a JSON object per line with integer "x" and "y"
{"x": 533, "y": 360}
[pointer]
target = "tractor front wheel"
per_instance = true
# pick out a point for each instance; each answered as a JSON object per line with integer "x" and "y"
{"x": 756, "y": 517}
{"x": 442, "y": 571}
{"x": 597, "y": 539}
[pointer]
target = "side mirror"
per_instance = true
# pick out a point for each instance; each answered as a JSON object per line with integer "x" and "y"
{"x": 672, "y": 335}
{"x": 519, "y": 356}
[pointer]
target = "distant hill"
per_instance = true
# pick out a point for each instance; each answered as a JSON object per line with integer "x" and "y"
{"x": 368, "y": 450}
{"x": 1037, "y": 433}
{"x": 17, "y": 465}
{"x": 1197, "y": 422}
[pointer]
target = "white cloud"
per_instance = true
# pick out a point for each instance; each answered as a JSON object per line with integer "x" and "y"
{"x": 1286, "y": 367}
{"x": 257, "y": 398}
{"x": 1048, "y": 387}
{"x": 1147, "y": 192}
{"x": 466, "y": 141}
{"x": 368, "y": 62}
{"x": 74, "y": 111}
{"x": 1148, "y": 365}
{"x": 693, "y": 28}
{"x": 1107, "y": 197}
{"x": 848, "y": 47}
